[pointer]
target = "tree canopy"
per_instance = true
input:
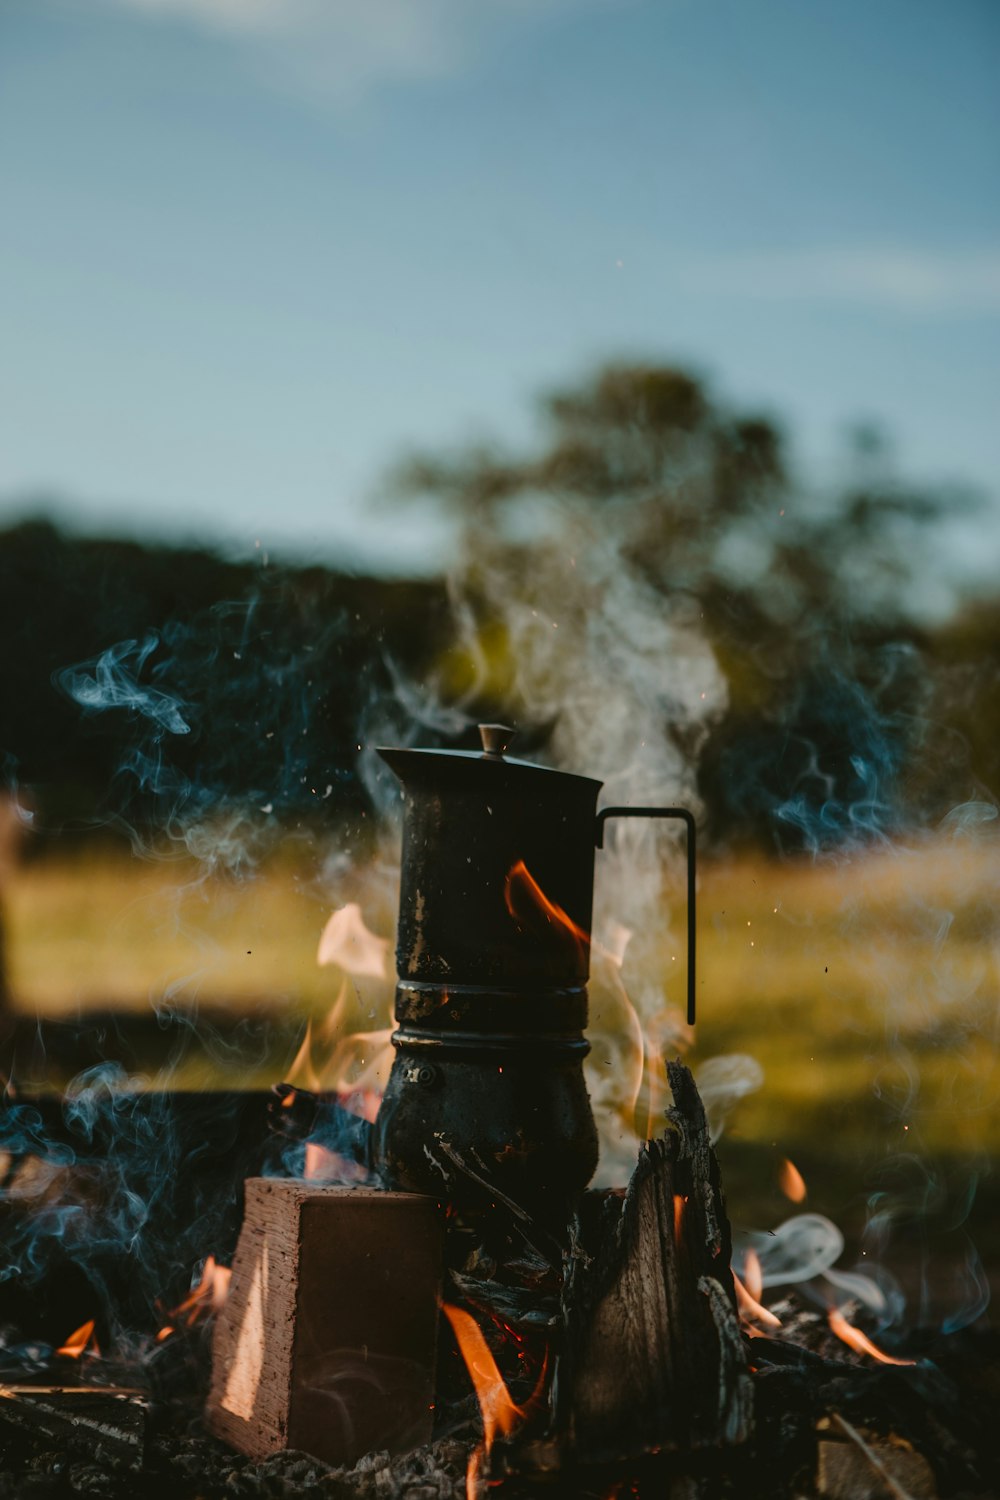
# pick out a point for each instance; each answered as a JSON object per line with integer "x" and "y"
{"x": 812, "y": 601}
{"x": 145, "y": 687}
{"x": 649, "y": 591}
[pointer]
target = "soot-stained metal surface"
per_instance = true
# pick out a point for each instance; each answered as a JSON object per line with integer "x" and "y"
{"x": 486, "y": 1098}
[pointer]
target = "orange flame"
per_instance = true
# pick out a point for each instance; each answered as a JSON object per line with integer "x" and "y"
{"x": 78, "y": 1341}
{"x": 499, "y": 1413}
{"x": 635, "y": 1091}
{"x": 522, "y": 890}
{"x": 302, "y": 1073}
{"x": 314, "y": 1058}
{"x": 332, "y": 1059}
{"x": 207, "y": 1296}
{"x": 354, "y": 1066}
{"x": 638, "y": 1094}
{"x": 679, "y": 1203}
{"x": 621, "y": 1044}
{"x": 859, "y": 1341}
{"x": 791, "y": 1181}
{"x": 323, "y": 1165}
{"x": 663, "y": 1034}
{"x": 349, "y": 944}
{"x": 752, "y": 1311}
{"x": 753, "y": 1276}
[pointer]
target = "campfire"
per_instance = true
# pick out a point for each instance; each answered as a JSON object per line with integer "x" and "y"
{"x": 407, "y": 1281}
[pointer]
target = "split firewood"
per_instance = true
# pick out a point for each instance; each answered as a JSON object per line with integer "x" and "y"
{"x": 327, "y": 1340}
{"x": 654, "y": 1359}
{"x": 863, "y": 1467}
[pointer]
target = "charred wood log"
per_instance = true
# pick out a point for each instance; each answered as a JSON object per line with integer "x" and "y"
{"x": 111, "y": 1420}
{"x": 654, "y": 1359}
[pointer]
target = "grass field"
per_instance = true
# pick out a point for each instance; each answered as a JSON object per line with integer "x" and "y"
{"x": 870, "y": 994}
{"x": 866, "y": 989}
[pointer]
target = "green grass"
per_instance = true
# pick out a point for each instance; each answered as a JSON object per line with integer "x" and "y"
{"x": 870, "y": 995}
{"x": 867, "y": 989}
{"x": 118, "y": 933}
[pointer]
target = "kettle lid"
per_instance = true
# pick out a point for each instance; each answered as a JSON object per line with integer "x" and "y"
{"x": 495, "y": 740}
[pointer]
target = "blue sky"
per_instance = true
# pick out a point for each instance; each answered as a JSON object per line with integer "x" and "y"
{"x": 253, "y": 249}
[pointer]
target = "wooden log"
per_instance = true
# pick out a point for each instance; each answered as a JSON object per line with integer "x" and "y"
{"x": 112, "y": 1419}
{"x": 655, "y": 1359}
{"x": 865, "y": 1467}
{"x": 327, "y": 1339}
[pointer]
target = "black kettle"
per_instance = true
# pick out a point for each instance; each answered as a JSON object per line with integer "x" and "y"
{"x": 486, "y": 1097}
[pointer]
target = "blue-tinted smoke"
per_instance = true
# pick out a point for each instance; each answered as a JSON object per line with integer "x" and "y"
{"x": 115, "y": 683}
{"x": 116, "y": 1193}
{"x": 230, "y": 726}
{"x": 925, "y": 1208}
{"x": 826, "y": 773}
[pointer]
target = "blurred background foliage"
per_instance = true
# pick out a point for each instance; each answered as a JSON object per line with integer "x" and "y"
{"x": 219, "y": 715}
{"x": 841, "y": 690}
{"x": 270, "y": 668}
{"x": 815, "y": 607}
{"x": 245, "y": 265}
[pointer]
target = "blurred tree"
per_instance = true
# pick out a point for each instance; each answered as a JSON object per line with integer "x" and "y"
{"x": 110, "y": 646}
{"x": 812, "y": 604}
{"x": 650, "y": 521}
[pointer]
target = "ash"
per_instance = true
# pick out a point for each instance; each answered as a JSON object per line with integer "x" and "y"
{"x": 943, "y": 1407}
{"x": 196, "y": 1467}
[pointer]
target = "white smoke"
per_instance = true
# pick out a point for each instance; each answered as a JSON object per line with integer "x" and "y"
{"x": 722, "y": 1083}
{"x": 626, "y": 679}
{"x": 805, "y": 1249}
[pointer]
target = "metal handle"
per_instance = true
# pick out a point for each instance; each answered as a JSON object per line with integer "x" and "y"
{"x": 688, "y": 819}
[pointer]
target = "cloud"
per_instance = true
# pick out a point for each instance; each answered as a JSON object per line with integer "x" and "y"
{"x": 899, "y": 278}
{"x": 339, "y": 50}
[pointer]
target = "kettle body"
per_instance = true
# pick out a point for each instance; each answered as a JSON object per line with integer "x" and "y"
{"x": 486, "y": 1098}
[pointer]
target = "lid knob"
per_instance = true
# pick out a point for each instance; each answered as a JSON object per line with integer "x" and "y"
{"x": 496, "y": 738}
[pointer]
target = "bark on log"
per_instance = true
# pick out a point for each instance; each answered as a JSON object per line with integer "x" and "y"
{"x": 327, "y": 1339}
{"x": 655, "y": 1360}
